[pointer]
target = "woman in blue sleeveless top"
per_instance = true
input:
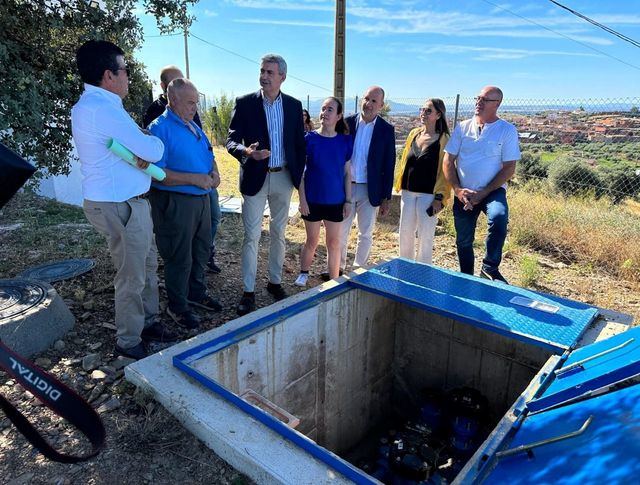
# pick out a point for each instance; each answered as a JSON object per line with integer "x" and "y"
{"x": 325, "y": 190}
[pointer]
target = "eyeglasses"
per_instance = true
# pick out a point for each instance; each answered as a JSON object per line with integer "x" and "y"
{"x": 428, "y": 111}
{"x": 480, "y": 99}
{"x": 126, "y": 69}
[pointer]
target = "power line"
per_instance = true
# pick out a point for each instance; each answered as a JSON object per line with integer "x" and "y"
{"x": 562, "y": 35}
{"x": 253, "y": 61}
{"x": 598, "y": 24}
{"x": 162, "y": 35}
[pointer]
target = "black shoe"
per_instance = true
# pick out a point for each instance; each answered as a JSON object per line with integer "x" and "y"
{"x": 247, "y": 305}
{"x": 136, "y": 352}
{"x": 158, "y": 333}
{"x": 493, "y": 275}
{"x": 184, "y": 319}
{"x": 277, "y": 291}
{"x": 211, "y": 264}
{"x": 207, "y": 303}
{"x": 325, "y": 276}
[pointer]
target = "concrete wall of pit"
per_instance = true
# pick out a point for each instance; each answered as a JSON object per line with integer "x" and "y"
{"x": 343, "y": 366}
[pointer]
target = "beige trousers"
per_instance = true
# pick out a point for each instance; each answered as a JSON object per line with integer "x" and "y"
{"x": 277, "y": 189}
{"x": 365, "y": 215}
{"x": 129, "y": 232}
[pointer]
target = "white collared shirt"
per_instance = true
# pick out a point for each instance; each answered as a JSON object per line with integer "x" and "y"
{"x": 275, "y": 125}
{"x": 96, "y": 118}
{"x": 364, "y": 132}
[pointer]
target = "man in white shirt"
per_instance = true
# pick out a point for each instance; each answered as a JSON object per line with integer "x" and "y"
{"x": 480, "y": 158}
{"x": 112, "y": 192}
{"x": 372, "y": 165}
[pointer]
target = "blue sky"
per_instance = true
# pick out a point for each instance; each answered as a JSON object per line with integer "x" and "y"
{"x": 413, "y": 48}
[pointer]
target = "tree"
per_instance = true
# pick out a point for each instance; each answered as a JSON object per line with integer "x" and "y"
{"x": 531, "y": 166}
{"x": 571, "y": 177}
{"x": 217, "y": 118}
{"x": 622, "y": 182}
{"x": 38, "y": 40}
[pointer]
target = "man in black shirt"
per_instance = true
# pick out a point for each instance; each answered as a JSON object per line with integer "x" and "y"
{"x": 155, "y": 109}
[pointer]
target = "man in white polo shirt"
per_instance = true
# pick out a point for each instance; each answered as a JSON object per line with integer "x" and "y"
{"x": 112, "y": 188}
{"x": 480, "y": 158}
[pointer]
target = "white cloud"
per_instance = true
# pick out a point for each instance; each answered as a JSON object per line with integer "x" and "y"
{"x": 293, "y": 23}
{"x": 409, "y": 17}
{"x": 210, "y": 13}
{"x": 481, "y": 53}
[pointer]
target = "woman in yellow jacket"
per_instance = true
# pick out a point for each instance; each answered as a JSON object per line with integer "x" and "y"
{"x": 420, "y": 179}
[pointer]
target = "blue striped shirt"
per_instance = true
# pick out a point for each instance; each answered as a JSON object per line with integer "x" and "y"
{"x": 275, "y": 123}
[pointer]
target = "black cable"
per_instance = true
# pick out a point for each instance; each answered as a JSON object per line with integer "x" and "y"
{"x": 162, "y": 35}
{"x": 562, "y": 35}
{"x": 598, "y": 24}
{"x": 254, "y": 61}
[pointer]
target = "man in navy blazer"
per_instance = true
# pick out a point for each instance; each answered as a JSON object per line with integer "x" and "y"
{"x": 266, "y": 135}
{"x": 372, "y": 166}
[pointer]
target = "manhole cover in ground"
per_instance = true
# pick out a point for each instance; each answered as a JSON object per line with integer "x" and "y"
{"x": 59, "y": 270}
{"x": 18, "y": 296}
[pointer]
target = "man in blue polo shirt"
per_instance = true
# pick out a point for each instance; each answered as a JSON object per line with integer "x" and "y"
{"x": 180, "y": 203}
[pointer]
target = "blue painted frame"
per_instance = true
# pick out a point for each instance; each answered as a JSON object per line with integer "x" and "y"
{"x": 373, "y": 281}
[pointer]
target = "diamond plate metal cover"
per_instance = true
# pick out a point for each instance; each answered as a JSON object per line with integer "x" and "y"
{"x": 481, "y": 302}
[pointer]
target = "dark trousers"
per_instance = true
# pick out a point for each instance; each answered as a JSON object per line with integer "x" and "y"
{"x": 497, "y": 212}
{"x": 182, "y": 224}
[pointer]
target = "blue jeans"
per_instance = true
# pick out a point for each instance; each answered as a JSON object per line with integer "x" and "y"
{"x": 216, "y": 215}
{"x": 497, "y": 212}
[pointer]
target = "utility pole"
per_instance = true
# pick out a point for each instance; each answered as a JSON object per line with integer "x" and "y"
{"x": 338, "y": 66}
{"x": 186, "y": 50}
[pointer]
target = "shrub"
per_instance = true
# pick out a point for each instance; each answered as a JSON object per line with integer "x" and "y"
{"x": 531, "y": 166}
{"x": 218, "y": 117}
{"x": 622, "y": 183}
{"x": 529, "y": 271}
{"x": 571, "y": 177}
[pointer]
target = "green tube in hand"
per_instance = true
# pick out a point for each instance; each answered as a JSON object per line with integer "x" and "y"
{"x": 124, "y": 153}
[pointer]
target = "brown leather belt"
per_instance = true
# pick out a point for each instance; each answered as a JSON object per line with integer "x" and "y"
{"x": 275, "y": 169}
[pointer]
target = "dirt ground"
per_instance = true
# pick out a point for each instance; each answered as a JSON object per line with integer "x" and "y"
{"x": 146, "y": 444}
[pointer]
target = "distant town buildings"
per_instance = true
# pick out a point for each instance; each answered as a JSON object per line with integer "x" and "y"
{"x": 563, "y": 127}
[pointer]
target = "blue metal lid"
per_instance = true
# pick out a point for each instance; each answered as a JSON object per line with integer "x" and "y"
{"x": 591, "y": 441}
{"x": 544, "y": 320}
{"x": 591, "y": 368}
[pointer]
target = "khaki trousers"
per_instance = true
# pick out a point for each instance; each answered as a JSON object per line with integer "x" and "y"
{"x": 129, "y": 232}
{"x": 277, "y": 190}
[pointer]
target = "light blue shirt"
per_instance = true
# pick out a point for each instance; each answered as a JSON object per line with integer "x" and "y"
{"x": 275, "y": 125}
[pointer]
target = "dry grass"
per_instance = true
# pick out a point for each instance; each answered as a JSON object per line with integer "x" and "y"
{"x": 578, "y": 230}
{"x": 229, "y": 169}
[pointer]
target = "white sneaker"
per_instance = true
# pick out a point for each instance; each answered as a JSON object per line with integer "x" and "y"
{"x": 302, "y": 279}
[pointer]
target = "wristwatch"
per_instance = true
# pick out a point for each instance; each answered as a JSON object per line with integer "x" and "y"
{"x": 439, "y": 197}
